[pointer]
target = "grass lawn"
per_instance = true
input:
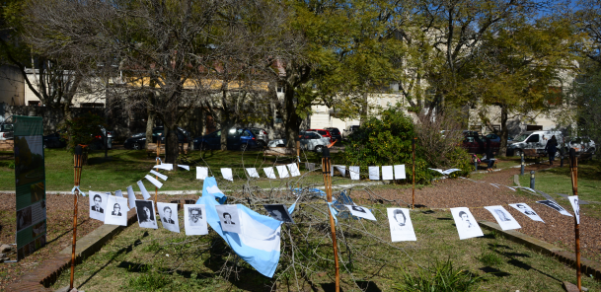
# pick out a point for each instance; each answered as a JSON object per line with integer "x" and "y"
{"x": 158, "y": 260}
{"x": 126, "y": 167}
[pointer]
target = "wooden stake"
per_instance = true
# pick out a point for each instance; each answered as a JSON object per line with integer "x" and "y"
{"x": 413, "y": 191}
{"x": 298, "y": 154}
{"x": 327, "y": 178}
{"x": 156, "y": 190}
{"x": 574, "y": 174}
{"x": 77, "y": 159}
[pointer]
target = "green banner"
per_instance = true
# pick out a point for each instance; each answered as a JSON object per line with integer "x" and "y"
{"x": 30, "y": 181}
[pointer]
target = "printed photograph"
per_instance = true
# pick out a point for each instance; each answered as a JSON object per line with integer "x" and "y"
{"x": 145, "y": 211}
{"x": 278, "y": 212}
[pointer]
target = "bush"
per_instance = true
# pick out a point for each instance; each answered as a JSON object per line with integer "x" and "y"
{"x": 81, "y": 130}
{"x": 442, "y": 277}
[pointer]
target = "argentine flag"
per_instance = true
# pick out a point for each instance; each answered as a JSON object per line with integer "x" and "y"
{"x": 259, "y": 242}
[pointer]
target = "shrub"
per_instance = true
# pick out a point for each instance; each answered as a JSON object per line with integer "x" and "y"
{"x": 442, "y": 277}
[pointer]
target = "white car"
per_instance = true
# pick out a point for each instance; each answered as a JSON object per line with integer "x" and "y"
{"x": 581, "y": 145}
{"x": 7, "y": 132}
{"x": 311, "y": 141}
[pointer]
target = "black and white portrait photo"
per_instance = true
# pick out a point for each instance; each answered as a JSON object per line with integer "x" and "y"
{"x": 555, "y": 206}
{"x": 467, "y": 227}
{"x": 576, "y": 206}
{"x": 168, "y": 216}
{"x": 527, "y": 210}
{"x": 278, "y": 212}
{"x": 361, "y": 212}
{"x": 116, "y": 210}
{"x": 146, "y": 214}
{"x": 114, "y": 215}
{"x": 504, "y": 218}
{"x": 195, "y": 219}
{"x": 401, "y": 228}
{"x": 229, "y": 218}
{"x": 98, "y": 205}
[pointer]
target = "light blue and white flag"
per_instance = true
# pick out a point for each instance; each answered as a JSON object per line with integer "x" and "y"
{"x": 258, "y": 243}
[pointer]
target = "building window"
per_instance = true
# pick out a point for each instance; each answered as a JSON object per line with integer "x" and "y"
{"x": 33, "y": 103}
{"x": 280, "y": 89}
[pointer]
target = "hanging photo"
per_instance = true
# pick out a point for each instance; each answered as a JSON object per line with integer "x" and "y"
{"x": 154, "y": 181}
{"x": 341, "y": 169}
{"x": 119, "y": 193}
{"x": 374, "y": 173}
{"x": 526, "y": 210}
{"x": 131, "y": 197}
{"x": 505, "y": 220}
{"x": 361, "y": 212}
{"x": 354, "y": 171}
{"x": 553, "y": 205}
{"x": 401, "y": 228}
{"x": 227, "y": 174}
{"x": 202, "y": 172}
{"x": 293, "y": 169}
{"x": 145, "y": 193}
{"x": 466, "y": 223}
{"x": 146, "y": 214}
{"x": 98, "y": 203}
{"x": 164, "y": 166}
{"x": 252, "y": 172}
{"x": 168, "y": 216}
{"x": 576, "y": 206}
{"x": 186, "y": 167}
{"x": 195, "y": 219}
{"x": 278, "y": 212}
{"x": 282, "y": 171}
{"x": 387, "y": 172}
{"x": 228, "y": 217}
{"x": 116, "y": 214}
{"x": 269, "y": 172}
{"x": 399, "y": 172}
{"x": 159, "y": 175}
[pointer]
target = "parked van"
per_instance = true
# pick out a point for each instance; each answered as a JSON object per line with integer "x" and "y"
{"x": 533, "y": 140}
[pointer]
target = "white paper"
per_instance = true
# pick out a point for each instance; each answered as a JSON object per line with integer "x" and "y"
{"x": 269, "y": 172}
{"x": 252, "y": 172}
{"x": 401, "y": 228}
{"x": 186, "y": 167}
{"x": 494, "y": 185}
{"x": 164, "y": 166}
{"x": 227, "y": 174}
{"x": 553, "y": 205}
{"x": 98, "y": 203}
{"x": 145, "y": 193}
{"x": 449, "y": 171}
{"x": 278, "y": 212}
{"x": 202, "y": 173}
{"x": 168, "y": 216}
{"x": 387, "y": 172}
{"x": 293, "y": 169}
{"x": 146, "y": 214}
{"x": 154, "y": 181}
{"x": 374, "y": 173}
{"x": 526, "y": 210}
{"x": 195, "y": 219}
{"x": 504, "y": 218}
{"x": 399, "y": 172}
{"x": 466, "y": 223}
{"x": 362, "y": 212}
{"x": 576, "y": 206}
{"x": 159, "y": 175}
{"x": 119, "y": 193}
{"x": 513, "y": 189}
{"x": 341, "y": 169}
{"x": 282, "y": 171}
{"x": 131, "y": 197}
{"x": 229, "y": 218}
{"x": 354, "y": 172}
{"x": 115, "y": 211}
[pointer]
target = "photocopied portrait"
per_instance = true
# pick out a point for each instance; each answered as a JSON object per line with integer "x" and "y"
{"x": 168, "y": 216}
{"x": 341, "y": 169}
{"x": 576, "y": 206}
{"x": 467, "y": 227}
{"x": 553, "y": 205}
{"x": 115, "y": 214}
{"x": 504, "y": 218}
{"x": 278, "y": 212}
{"x": 98, "y": 204}
{"x": 361, "y": 212}
{"x": 401, "y": 228}
{"x": 293, "y": 169}
{"x": 527, "y": 210}
{"x": 387, "y": 172}
{"x": 252, "y": 172}
{"x": 355, "y": 172}
{"x": 227, "y": 174}
{"x": 282, "y": 171}
{"x": 146, "y": 214}
{"x": 229, "y": 218}
{"x": 195, "y": 219}
{"x": 374, "y": 172}
{"x": 399, "y": 172}
{"x": 269, "y": 172}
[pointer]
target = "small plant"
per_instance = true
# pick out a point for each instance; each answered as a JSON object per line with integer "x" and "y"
{"x": 490, "y": 259}
{"x": 150, "y": 280}
{"x": 443, "y": 277}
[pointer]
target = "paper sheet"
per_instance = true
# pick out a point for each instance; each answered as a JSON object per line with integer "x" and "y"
{"x": 168, "y": 216}
{"x": 360, "y": 211}
{"x": 467, "y": 226}
{"x": 252, "y": 172}
{"x": 374, "y": 173}
{"x": 164, "y": 166}
{"x": 98, "y": 203}
{"x": 269, "y": 172}
{"x": 146, "y": 214}
{"x": 154, "y": 181}
{"x": 131, "y": 197}
{"x": 526, "y": 210}
{"x": 387, "y": 172}
{"x": 576, "y": 207}
{"x": 282, "y": 171}
{"x": 293, "y": 169}
{"x": 186, "y": 167}
{"x": 354, "y": 171}
{"x": 195, "y": 219}
{"x": 159, "y": 175}
{"x": 116, "y": 214}
{"x": 202, "y": 172}
{"x": 227, "y": 174}
{"x": 401, "y": 228}
{"x": 145, "y": 193}
{"x": 229, "y": 218}
{"x": 553, "y": 205}
{"x": 504, "y": 218}
{"x": 399, "y": 172}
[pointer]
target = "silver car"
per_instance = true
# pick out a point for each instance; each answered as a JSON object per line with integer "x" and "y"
{"x": 7, "y": 132}
{"x": 261, "y": 136}
{"x": 310, "y": 141}
{"x": 582, "y": 145}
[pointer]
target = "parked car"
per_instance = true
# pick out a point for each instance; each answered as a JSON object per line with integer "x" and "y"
{"x": 581, "y": 145}
{"x": 476, "y": 144}
{"x": 335, "y": 134}
{"x": 533, "y": 140}
{"x": 311, "y": 141}
{"x": 322, "y": 132}
{"x": 7, "y": 131}
{"x": 54, "y": 140}
{"x": 136, "y": 141}
{"x": 237, "y": 139}
{"x": 493, "y": 138}
{"x": 261, "y": 135}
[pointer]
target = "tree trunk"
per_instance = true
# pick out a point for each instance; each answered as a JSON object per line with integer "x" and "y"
{"x": 364, "y": 109}
{"x": 171, "y": 145}
{"x": 504, "y": 132}
{"x": 291, "y": 123}
{"x": 225, "y": 128}
{"x": 67, "y": 116}
{"x": 149, "y": 126}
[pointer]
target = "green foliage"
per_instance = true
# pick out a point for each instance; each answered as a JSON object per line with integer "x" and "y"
{"x": 386, "y": 141}
{"x": 443, "y": 277}
{"x": 490, "y": 259}
{"x": 81, "y": 130}
{"x": 150, "y": 280}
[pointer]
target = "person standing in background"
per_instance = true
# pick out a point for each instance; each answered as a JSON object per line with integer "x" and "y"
{"x": 551, "y": 149}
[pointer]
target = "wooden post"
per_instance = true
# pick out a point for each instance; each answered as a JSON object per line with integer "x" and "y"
{"x": 574, "y": 174}
{"x": 297, "y": 153}
{"x": 327, "y": 178}
{"x": 156, "y": 190}
{"x": 77, "y": 162}
{"x": 413, "y": 192}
